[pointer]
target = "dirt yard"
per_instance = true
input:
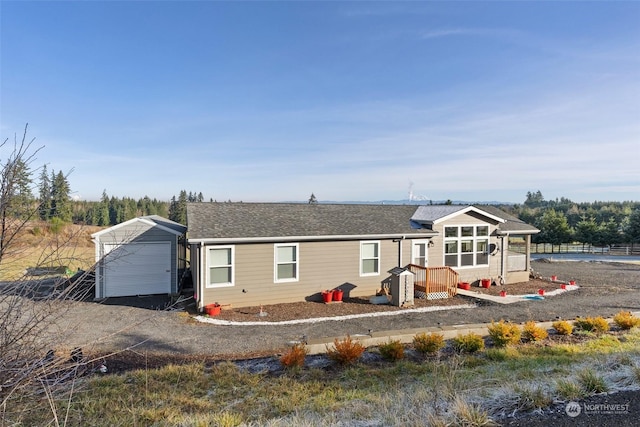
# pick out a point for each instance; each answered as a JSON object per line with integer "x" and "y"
{"x": 605, "y": 289}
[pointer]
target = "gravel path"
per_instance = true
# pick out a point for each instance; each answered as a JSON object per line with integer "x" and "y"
{"x": 605, "y": 289}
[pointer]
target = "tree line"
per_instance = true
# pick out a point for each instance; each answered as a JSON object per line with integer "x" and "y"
{"x": 560, "y": 220}
{"x": 590, "y": 223}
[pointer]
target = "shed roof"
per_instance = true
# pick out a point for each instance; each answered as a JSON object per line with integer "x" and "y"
{"x": 237, "y": 221}
{"x": 150, "y": 220}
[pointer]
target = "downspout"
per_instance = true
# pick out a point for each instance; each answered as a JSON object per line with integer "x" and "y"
{"x": 201, "y": 252}
{"x": 400, "y": 249}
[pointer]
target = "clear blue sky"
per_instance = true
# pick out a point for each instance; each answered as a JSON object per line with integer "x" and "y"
{"x": 270, "y": 101}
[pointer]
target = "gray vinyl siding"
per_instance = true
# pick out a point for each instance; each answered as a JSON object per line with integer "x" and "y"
{"x": 322, "y": 265}
{"x": 142, "y": 233}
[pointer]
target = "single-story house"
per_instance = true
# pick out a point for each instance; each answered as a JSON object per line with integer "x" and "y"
{"x": 248, "y": 254}
{"x": 141, "y": 256}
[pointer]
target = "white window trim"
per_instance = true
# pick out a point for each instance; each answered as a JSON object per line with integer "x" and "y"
{"x": 424, "y": 242}
{"x": 275, "y": 262}
{"x": 379, "y": 258}
{"x": 208, "y": 283}
{"x": 475, "y": 238}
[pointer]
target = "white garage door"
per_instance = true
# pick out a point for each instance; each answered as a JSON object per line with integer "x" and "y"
{"x": 137, "y": 269}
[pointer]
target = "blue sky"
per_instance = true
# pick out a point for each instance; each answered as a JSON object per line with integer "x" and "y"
{"x": 270, "y": 101}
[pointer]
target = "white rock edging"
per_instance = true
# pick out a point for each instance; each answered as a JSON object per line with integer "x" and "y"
{"x": 213, "y": 321}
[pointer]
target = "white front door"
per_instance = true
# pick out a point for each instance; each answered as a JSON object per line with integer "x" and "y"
{"x": 419, "y": 252}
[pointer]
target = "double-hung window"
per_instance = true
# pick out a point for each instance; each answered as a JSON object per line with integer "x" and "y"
{"x": 220, "y": 266}
{"x": 369, "y": 258}
{"x": 286, "y": 262}
{"x": 466, "y": 246}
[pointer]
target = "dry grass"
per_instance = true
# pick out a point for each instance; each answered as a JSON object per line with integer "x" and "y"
{"x": 403, "y": 394}
{"x": 39, "y": 247}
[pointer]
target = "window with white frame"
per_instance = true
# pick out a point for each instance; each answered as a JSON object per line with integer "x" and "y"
{"x": 466, "y": 245}
{"x": 369, "y": 258}
{"x": 419, "y": 252}
{"x": 286, "y": 262}
{"x": 220, "y": 266}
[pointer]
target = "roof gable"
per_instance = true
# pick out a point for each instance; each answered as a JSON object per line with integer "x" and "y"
{"x": 151, "y": 221}
{"x": 434, "y": 214}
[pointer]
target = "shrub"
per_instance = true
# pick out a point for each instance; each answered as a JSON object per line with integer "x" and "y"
{"x": 345, "y": 351}
{"x": 294, "y": 358}
{"x": 593, "y": 324}
{"x": 626, "y": 320}
{"x": 562, "y": 327}
{"x": 569, "y": 390}
{"x": 428, "y": 344}
{"x": 392, "y": 351}
{"x": 468, "y": 343}
{"x": 504, "y": 333}
{"x": 592, "y": 382}
{"x": 56, "y": 225}
{"x": 533, "y": 332}
{"x": 530, "y": 398}
{"x": 467, "y": 414}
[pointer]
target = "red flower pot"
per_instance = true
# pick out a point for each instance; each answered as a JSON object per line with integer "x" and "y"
{"x": 327, "y": 296}
{"x": 572, "y": 282}
{"x": 212, "y": 309}
{"x": 337, "y": 294}
{"x": 464, "y": 285}
{"x": 486, "y": 283}
{"x": 540, "y": 291}
{"x": 563, "y": 286}
{"x": 554, "y": 278}
{"x": 503, "y": 293}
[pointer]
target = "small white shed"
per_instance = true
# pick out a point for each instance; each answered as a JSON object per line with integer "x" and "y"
{"x": 142, "y": 256}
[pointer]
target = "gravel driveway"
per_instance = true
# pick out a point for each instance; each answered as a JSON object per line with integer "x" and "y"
{"x": 605, "y": 289}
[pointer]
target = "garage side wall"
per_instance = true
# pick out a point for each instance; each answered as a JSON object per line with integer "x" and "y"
{"x": 135, "y": 233}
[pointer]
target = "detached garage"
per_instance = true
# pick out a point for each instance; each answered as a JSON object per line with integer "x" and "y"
{"x": 142, "y": 256}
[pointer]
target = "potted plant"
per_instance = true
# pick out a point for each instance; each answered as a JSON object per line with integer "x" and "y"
{"x": 464, "y": 285}
{"x": 327, "y": 296}
{"x": 212, "y": 309}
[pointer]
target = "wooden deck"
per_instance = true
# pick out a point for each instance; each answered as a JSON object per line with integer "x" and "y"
{"x": 439, "y": 282}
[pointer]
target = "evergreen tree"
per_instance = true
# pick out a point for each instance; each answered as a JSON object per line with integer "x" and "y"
{"x": 45, "y": 195}
{"x": 178, "y": 209}
{"x": 554, "y": 228}
{"x": 312, "y": 199}
{"x": 587, "y": 231}
{"x": 20, "y": 191}
{"x": 103, "y": 210}
{"x": 60, "y": 200}
{"x": 632, "y": 228}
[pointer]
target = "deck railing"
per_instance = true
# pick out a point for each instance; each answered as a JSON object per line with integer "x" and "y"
{"x": 435, "y": 279}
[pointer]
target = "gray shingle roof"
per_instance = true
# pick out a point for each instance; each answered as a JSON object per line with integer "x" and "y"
{"x": 429, "y": 214}
{"x": 166, "y": 223}
{"x": 272, "y": 220}
{"x": 512, "y": 224}
{"x": 432, "y": 213}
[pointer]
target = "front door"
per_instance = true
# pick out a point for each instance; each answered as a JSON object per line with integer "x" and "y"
{"x": 419, "y": 254}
